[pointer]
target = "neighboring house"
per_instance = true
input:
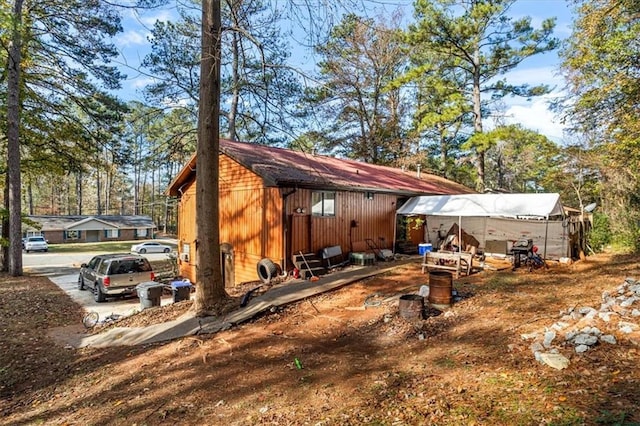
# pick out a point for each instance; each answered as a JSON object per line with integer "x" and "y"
{"x": 275, "y": 203}
{"x": 84, "y": 229}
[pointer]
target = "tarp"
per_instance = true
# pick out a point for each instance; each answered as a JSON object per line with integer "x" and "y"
{"x": 485, "y": 205}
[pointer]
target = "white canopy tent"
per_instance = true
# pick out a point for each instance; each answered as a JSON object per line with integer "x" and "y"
{"x": 487, "y": 205}
{"x": 504, "y": 217}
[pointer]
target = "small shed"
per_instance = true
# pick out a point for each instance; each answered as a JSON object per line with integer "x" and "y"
{"x": 496, "y": 220}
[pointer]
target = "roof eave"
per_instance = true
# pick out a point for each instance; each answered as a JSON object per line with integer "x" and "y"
{"x": 323, "y": 186}
{"x": 183, "y": 177}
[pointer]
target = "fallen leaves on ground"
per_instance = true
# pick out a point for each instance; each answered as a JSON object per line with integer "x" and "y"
{"x": 358, "y": 363}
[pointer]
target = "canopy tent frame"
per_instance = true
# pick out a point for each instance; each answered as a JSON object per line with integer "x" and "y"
{"x": 514, "y": 206}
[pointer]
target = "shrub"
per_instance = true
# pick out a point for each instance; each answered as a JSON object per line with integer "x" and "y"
{"x": 600, "y": 234}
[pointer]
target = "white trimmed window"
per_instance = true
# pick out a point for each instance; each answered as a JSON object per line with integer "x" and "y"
{"x": 111, "y": 233}
{"x": 72, "y": 235}
{"x": 323, "y": 203}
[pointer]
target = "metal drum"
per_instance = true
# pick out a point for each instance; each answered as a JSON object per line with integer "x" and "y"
{"x": 440, "y": 289}
{"x": 411, "y": 307}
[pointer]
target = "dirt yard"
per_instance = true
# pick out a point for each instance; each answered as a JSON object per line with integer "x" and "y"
{"x": 359, "y": 360}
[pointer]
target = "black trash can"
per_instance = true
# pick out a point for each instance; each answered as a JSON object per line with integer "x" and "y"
{"x": 150, "y": 294}
{"x": 181, "y": 290}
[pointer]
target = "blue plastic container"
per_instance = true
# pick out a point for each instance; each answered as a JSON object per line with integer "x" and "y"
{"x": 181, "y": 290}
{"x": 424, "y": 248}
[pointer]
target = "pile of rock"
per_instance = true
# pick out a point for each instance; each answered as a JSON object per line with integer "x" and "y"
{"x": 582, "y": 328}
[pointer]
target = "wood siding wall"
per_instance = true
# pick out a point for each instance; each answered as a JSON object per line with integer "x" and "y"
{"x": 187, "y": 231}
{"x": 375, "y": 220}
{"x": 250, "y": 220}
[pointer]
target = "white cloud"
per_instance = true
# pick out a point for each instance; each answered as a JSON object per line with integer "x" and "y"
{"x": 132, "y": 38}
{"x": 536, "y": 115}
{"x": 141, "y": 82}
{"x": 160, "y": 15}
{"x": 548, "y": 74}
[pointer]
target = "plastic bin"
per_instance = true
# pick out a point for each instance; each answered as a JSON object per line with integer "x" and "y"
{"x": 150, "y": 294}
{"x": 424, "y": 248}
{"x": 362, "y": 259}
{"x": 181, "y": 290}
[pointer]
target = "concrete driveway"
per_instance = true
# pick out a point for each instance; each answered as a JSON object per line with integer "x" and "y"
{"x": 63, "y": 270}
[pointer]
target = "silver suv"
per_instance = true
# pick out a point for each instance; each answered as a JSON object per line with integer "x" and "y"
{"x": 114, "y": 274}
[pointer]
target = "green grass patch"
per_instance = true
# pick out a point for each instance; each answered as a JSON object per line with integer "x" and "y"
{"x": 567, "y": 416}
{"x": 445, "y": 362}
{"x": 104, "y": 246}
{"x": 617, "y": 419}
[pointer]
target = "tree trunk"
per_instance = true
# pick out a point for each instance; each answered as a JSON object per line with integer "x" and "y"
{"x": 108, "y": 184}
{"x": 52, "y": 199}
{"x": 143, "y": 192}
{"x": 5, "y": 226}
{"x": 79, "y": 192}
{"x": 67, "y": 195}
{"x": 152, "y": 196}
{"x": 210, "y": 287}
{"x": 13, "y": 143}
{"x": 30, "y": 197}
{"x": 165, "y": 215}
{"x": 444, "y": 148}
{"x": 136, "y": 178}
{"x": 98, "y": 193}
{"x": 477, "y": 116}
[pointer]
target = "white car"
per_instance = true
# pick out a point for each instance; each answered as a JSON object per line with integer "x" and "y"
{"x": 150, "y": 247}
{"x": 36, "y": 244}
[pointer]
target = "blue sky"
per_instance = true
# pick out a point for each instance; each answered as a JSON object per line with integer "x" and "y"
{"x": 541, "y": 69}
{"x": 534, "y": 114}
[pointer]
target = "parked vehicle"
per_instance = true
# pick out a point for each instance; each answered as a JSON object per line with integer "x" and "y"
{"x": 150, "y": 247}
{"x": 36, "y": 244}
{"x": 114, "y": 274}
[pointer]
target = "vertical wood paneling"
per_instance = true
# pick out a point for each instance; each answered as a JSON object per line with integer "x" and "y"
{"x": 250, "y": 220}
{"x": 187, "y": 230}
{"x": 300, "y": 231}
{"x": 375, "y": 218}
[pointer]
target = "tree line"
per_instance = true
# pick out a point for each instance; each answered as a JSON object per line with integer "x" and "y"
{"x": 425, "y": 94}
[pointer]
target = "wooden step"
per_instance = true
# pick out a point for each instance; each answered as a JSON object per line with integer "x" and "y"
{"x": 313, "y": 264}
{"x": 306, "y": 273}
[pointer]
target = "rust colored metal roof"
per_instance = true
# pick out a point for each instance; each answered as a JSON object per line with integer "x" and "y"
{"x": 288, "y": 168}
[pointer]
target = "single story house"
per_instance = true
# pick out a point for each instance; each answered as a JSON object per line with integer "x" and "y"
{"x": 275, "y": 203}
{"x": 86, "y": 229}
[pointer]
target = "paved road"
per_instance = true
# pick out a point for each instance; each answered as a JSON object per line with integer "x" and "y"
{"x": 63, "y": 268}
